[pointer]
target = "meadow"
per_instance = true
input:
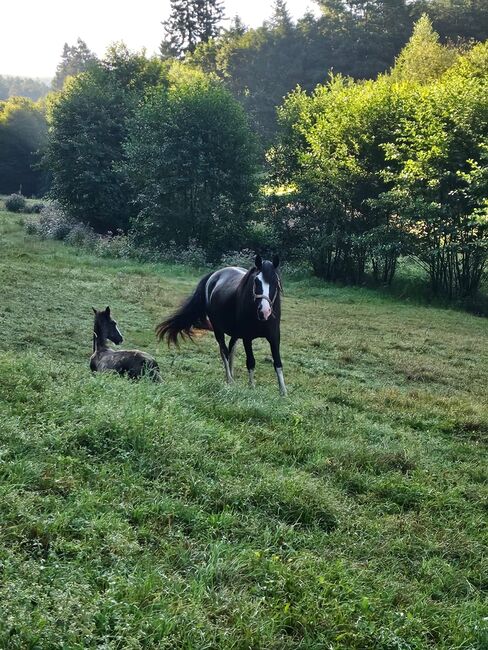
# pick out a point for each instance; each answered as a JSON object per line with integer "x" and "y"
{"x": 191, "y": 514}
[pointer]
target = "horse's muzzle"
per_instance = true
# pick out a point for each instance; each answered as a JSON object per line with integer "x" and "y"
{"x": 263, "y": 315}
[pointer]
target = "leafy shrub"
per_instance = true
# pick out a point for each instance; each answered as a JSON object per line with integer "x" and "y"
{"x": 53, "y": 223}
{"x": 262, "y": 236}
{"x": 244, "y": 257}
{"x": 15, "y": 203}
{"x": 203, "y": 186}
{"x": 34, "y": 208}
{"x": 191, "y": 255}
{"x": 111, "y": 245}
{"x": 88, "y": 128}
{"x": 81, "y": 235}
{"x": 297, "y": 268}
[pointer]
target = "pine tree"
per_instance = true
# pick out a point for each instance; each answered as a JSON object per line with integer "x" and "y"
{"x": 424, "y": 58}
{"x": 209, "y": 14}
{"x": 74, "y": 59}
{"x": 190, "y": 22}
{"x": 281, "y": 16}
{"x": 237, "y": 27}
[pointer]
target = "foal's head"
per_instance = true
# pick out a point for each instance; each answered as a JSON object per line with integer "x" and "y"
{"x": 105, "y": 327}
{"x": 267, "y": 286}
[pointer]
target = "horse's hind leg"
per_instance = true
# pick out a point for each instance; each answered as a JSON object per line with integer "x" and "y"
{"x": 250, "y": 361}
{"x": 224, "y": 353}
{"x": 232, "y": 354}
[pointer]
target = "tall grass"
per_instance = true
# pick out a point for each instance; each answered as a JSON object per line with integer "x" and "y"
{"x": 195, "y": 515}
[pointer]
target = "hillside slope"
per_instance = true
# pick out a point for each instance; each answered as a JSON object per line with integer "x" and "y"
{"x": 351, "y": 514}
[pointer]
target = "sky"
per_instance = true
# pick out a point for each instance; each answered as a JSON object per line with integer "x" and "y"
{"x": 34, "y": 31}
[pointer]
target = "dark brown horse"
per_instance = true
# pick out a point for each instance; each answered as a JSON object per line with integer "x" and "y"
{"x": 132, "y": 363}
{"x": 242, "y": 304}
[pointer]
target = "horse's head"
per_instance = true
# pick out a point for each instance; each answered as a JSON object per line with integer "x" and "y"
{"x": 105, "y": 327}
{"x": 267, "y": 286}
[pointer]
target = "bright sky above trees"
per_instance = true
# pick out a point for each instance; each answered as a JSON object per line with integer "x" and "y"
{"x": 33, "y": 32}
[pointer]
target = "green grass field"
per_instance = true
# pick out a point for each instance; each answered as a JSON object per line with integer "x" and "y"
{"x": 190, "y": 514}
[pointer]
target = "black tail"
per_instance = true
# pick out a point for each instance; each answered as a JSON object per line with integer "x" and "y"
{"x": 190, "y": 316}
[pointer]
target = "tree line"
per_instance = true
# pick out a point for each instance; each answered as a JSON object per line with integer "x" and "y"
{"x": 22, "y": 87}
{"x": 355, "y": 38}
{"x": 364, "y": 173}
{"x": 350, "y": 174}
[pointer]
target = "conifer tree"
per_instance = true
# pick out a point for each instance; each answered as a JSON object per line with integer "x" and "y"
{"x": 281, "y": 16}
{"x": 74, "y": 59}
{"x": 424, "y": 58}
{"x": 190, "y": 22}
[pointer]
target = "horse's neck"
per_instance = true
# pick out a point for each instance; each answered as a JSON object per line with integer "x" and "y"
{"x": 99, "y": 341}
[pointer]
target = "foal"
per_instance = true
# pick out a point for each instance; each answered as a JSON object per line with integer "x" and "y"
{"x": 132, "y": 363}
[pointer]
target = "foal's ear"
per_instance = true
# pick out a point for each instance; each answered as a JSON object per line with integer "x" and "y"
{"x": 258, "y": 262}
{"x": 107, "y": 311}
{"x": 276, "y": 261}
{"x": 94, "y": 311}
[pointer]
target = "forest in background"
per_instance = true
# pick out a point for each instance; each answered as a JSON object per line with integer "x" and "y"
{"x": 348, "y": 141}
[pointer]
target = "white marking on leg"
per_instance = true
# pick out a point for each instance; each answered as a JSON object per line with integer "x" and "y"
{"x": 228, "y": 374}
{"x": 232, "y": 357}
{"x": 252, "y": 381}
{"x": 281, "y": 381}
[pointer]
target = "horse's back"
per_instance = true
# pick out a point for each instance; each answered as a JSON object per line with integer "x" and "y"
{"x": 223, "y": 284}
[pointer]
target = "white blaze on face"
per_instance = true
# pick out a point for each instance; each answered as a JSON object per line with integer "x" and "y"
{"x": 264, "y": 304}
{"x": 117, "y": 330}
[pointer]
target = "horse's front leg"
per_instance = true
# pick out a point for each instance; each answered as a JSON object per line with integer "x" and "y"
{"x": 250, "y": 361}
{"x": 274, "y": 342}
{"x": 224, "y": 353}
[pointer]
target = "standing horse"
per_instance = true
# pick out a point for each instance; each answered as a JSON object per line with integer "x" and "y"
{"x": 132, "y": 363}
{"x": 242, "y": 304}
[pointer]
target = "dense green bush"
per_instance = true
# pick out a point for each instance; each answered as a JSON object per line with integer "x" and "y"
{"x": 23, "y": 137}
{"x": 15, "y": 203}
{"x": 192, "y": 163}
{"x": 113, "y": 245}
{"x": 81, "y": 235}
{"x": 439, "y": 176}
{"x": 88, "y": 129}
{"x": 363, "y": 173}
{"x": 34, "y": 208}
{"x": 327, "y": 171}
{"x": 53, "y": 223}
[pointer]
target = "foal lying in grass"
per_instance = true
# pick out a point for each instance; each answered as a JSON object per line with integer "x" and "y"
{"x": 132, "y": 363}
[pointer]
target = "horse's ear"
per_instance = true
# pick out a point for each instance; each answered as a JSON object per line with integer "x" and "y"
{"x": 107, "y": 311}
{"x": 94, "y": 311}
{"x": 258, "y": 262}
{"x": 276, "y": 261}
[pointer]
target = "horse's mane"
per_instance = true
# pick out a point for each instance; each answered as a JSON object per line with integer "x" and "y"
{"x": 246, "y": 279}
